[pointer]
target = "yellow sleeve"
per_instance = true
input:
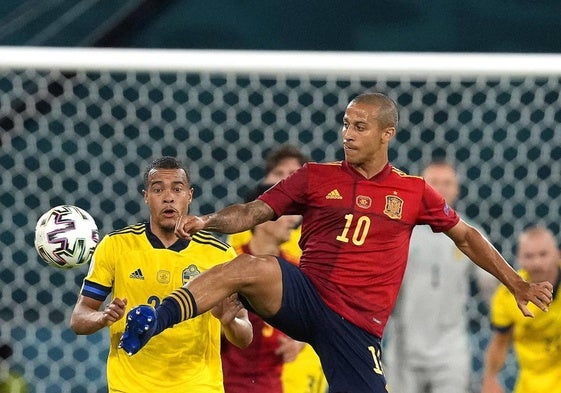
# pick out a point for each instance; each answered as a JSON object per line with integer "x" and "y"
{"x": 502, "y": 306}
{"x": 102, "y": 265}
{"x": 236, "y": 240}
{"x": 291, "y": 248}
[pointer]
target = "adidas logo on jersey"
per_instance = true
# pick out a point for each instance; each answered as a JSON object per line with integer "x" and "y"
{"x": 334, "y": 195}
{"x": 137, "y": 274}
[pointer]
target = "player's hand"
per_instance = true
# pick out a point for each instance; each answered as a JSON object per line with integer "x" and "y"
{"x": 289, "y": 348}
{"x": 114, "y": 311}
{"x": 187, "y": 225}
{"x": 227, "y": 310}
{"x": 541, "y": 294}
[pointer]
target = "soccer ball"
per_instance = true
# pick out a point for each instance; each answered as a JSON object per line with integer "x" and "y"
{"x": 66, "y": 237}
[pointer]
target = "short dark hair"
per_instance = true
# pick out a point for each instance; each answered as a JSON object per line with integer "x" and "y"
{"x": 388, "y": 115}
{"x": 283, "y": 152}
{"x": 166, "y": 162}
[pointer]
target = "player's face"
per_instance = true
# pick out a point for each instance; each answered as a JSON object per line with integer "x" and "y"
{"x": 284, "y": 168}
{"x": 538, "y": 255}
{"x": 168, "y": 196}
{"x": 364, "y": 139}
{"x": 444, "y": 180}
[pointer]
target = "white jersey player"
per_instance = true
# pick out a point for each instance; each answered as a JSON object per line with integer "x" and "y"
{"x": 427, "y": 348}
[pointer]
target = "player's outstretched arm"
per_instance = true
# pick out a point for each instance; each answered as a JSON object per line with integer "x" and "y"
{"x": 87, "y": 318}
{"x": 472, "y": 243}
{"x": 231, "y": 219}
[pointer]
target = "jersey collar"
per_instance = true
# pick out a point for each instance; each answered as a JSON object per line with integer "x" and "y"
{"x": 179, "y": 245}
{"x": 380, "y": 176}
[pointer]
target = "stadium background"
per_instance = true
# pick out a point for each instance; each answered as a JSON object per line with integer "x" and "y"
{"x": 84, "y": 137}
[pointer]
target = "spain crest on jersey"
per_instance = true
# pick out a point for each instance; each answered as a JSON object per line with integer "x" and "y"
{"x": 394, "y": 206}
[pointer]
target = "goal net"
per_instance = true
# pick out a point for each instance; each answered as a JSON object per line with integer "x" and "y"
{"x": 79, "y": 126}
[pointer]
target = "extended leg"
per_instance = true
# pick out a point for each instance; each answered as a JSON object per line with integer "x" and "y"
{"x": 258, "y": 279}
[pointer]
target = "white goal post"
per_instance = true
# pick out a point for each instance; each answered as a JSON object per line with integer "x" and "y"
{"x": 360, "y": 64}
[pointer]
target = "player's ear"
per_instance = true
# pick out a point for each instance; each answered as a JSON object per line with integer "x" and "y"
{"x": 388, "y": 133}
{"x": 191, "y": 195}
{"x": 145, "y": 194}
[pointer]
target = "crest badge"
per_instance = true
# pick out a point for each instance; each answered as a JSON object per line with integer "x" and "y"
{"x": 363, "y": 201}
{"x": 189, "y": 272}
{"x": 163, "y": 276}
{"x": 394, "y": 207}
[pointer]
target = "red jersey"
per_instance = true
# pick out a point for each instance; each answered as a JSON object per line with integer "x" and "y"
{"x": 256, "y": 368}
{"x": 356, "y": 231}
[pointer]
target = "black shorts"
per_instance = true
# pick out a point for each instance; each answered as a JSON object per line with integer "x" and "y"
{"x": 349, "y": 355}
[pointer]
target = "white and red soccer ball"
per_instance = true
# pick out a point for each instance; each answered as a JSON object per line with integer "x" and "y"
{"x": 66, "y": 236}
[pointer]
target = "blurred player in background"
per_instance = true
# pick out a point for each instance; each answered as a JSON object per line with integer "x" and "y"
{"x": 358, "y": 215}
{"x": 141, "y": 263}
{"x": 11, "y": 381}
{"x": 427, "y": 348}
{"x": 279, "y": 163}
{"x": 258, "y": 368}
{"x": 304, "y": 374}
{"x": 537, "y": 341}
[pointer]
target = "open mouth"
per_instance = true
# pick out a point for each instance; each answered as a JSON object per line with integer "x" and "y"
{"x": 169, "y": 213}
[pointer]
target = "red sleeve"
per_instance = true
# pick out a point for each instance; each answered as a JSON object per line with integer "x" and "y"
{"x": 436, "y": 212}
{"x": 289, "y": 195}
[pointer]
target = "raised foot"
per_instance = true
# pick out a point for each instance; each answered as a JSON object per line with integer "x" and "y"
{"x": 139, "y": 328}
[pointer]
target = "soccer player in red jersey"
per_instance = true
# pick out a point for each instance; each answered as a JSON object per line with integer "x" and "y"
{"x": 358, "y": 215}
{"x": 259, "y": 366}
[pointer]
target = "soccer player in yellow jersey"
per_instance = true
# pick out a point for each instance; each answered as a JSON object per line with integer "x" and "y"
{"x": 304, "y": 374}
{"x": 536, "y": 341}
{"x": 141, "y": 264}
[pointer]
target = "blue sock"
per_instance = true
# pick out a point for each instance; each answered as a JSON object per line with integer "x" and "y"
{"x": 178, "y": 306}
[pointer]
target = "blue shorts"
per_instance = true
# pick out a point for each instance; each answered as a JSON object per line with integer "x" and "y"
{"x": 350, "y": 356}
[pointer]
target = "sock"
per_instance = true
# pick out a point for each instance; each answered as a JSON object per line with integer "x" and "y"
{"x": 178, "y": 306}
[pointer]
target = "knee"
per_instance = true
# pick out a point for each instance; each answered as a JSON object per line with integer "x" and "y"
{"x": 254, "y": 267}
{"x": 248, "y": 261}
{"x": 244, "y": 259}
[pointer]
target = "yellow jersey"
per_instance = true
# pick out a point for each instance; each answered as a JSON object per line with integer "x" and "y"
{"x": 133, "y": 264}
{"x": 304, "y": 374}
{"x": 537, "y": 341}
{"x": 290, "y": 249}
